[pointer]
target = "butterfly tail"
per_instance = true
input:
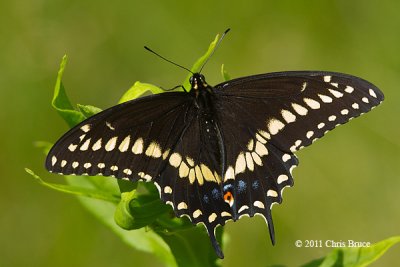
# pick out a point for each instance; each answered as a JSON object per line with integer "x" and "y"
{"x": 214, "y": 242}
{"x": 270, "y": 227}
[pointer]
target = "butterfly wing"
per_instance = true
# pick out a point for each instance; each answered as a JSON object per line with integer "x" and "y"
{"x": 298, "y": 107}
{"x": 130, "y": 140}
{"x": 265, "y": 118}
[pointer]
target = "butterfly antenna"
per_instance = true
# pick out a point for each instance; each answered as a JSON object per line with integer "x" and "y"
{"x": 215, "y": 48}
{"x": 176, "y": 64}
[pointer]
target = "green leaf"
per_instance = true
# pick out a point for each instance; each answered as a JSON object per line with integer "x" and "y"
{"x": 61, "y": 101}
{"x": 199, "y": 63}
{"x": 185, "y": 245}
{"x": 225, "y": 74}
{"x": 123, "y": 216}
{"x": 136, "y": 211}
{"x": 140, "y": 239}
{"x": 77, "y": 190}
{"x": 139, "y": 89}
{"x": 355, "y": 257}
{"x": 88, "y": 110}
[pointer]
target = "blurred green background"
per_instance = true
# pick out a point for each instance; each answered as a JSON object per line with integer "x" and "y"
{"x": 347, "y": 185}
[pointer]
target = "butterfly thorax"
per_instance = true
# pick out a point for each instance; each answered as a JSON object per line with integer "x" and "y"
{"x": 198, "y": 82}
{"x": 203, "y": 97}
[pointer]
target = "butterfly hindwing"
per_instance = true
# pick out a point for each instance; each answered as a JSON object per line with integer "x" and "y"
{"x": 256, "y": 171}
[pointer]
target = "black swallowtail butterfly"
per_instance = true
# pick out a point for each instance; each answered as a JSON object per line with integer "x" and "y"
{"x": 216, "y": 153}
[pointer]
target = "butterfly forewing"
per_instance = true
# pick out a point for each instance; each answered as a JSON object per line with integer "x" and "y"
{"x": 311, "y": 104}
{"x": 126, "y": 141}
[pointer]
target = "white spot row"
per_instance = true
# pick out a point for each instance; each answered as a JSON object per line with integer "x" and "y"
{"x": 256, "y": 149}
{"x": 193, "y": 172}
{"x": 153, "y": 150}
{"x": 327, "y": 99}
{"x": 213, "y": 216}
{"x": 248, "y": 159}
{"x": 87, "y": 165}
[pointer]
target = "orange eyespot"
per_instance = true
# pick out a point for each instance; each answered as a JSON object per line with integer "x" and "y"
{"x": 228, "y": 198}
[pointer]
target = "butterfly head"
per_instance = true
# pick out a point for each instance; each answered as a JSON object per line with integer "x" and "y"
{"x": 197, "y": 81}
